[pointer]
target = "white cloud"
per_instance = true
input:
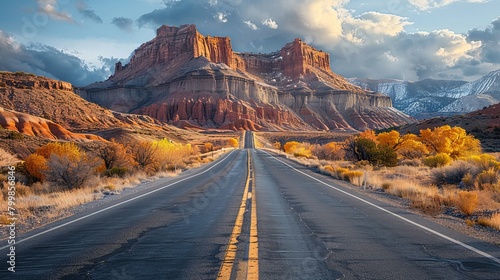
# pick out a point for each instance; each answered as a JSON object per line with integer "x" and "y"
{"x": 373, "y": 26}
{"x": 222, "y": 17}
{"x": 388, "y": 55}
{"x": 8, "y": 42}
{"x": 251, "y": 25}
{"x": 50, "y": 7}
{"x": 270, "y": 23}
{"x": 424, "y": 5}
{"x": 440, "y": 54}
{"x": 454, "y": 47}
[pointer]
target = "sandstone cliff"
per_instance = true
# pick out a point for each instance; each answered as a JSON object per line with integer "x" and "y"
{"x": 22, "y": 80}
{"x": 182, "y": 76}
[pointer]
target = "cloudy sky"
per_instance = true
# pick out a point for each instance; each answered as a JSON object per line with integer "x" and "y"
{"x": 80, "y": 40}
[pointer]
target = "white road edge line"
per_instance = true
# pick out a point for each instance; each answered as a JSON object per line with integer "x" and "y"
{"x": 116, "y": 205}
{"x": 484, "y": 254}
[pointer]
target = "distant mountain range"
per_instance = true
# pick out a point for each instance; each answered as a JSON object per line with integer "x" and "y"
{"x": 432, "y": 98}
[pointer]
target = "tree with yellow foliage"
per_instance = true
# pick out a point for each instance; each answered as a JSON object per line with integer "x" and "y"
{"x": 291, "y": 146}
{"x": 453, "y": 141}
{"x": 330, "y": 151}
{"x": 208, "y": 147}
{"x": 407, "y": 146}
{"x": 63, "y": 164}
{"x": 144, "y": 154}
{"x": 298, "y": 149}
{"x": 410, "y": 147}
{"x": 369, "y": 134}
{"x": 391, "y": 139}
{"x": 116, "y": 158}
{"x": 366, "y": 147}
{"x": 170, "y": 155}
{"x": 233, "y": 142}
{"x": 36, "y": 165}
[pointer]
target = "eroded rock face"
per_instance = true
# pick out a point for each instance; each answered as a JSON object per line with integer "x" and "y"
{"x": 182, "y": 76}
{"x": 29, "y": 81}
{"x": 298, "y": 58}
{"x": 35, "y": 126}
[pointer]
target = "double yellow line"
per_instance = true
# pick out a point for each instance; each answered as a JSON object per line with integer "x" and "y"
{"x": 252, "y": 271}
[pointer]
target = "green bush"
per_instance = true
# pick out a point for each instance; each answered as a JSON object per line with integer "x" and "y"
{"x": 385, "y": 156}
{"x": 116, "y": 172}
{"x": 365, "y": 149}
{"x": 438, "y": 160}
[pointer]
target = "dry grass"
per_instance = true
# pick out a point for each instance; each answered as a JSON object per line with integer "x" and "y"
{"x": 493, "y": 221}
{"x": 487, "y": 177}
{"x": 430, "y": 205}
{"x": 449, "y": 195}
{"x": 309, "y": 162}
{"x": 470, "y": 222}
{"x": 354, "y": 177}
{"x": 4, "y": 219}
{"x": 467, "y": 202}
{"x": 489, "y": 200}
{"x": 57, "y": 201}
{"x": 7, "y": 159}
{"x": 405, "y": 189}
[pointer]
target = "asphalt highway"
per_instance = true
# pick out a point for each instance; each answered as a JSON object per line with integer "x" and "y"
{"x": 178, "y": 232}
{"x": 249, "y": 215}
{"x": 310, "y": 227}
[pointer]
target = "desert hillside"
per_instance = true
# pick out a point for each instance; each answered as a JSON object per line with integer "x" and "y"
{"x": 483, "y": 124}
{"x": 35, "y": 109}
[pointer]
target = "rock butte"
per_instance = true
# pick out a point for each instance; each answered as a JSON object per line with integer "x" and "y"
{"x": 183, "y": 76}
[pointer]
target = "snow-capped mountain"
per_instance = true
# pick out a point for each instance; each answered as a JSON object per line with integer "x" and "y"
{"x": 428, "y": 98}
{"x": 485, "y": 84}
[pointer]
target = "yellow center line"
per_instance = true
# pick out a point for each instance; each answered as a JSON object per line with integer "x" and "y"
{"x": 230, "y": 256}
{"x": 253, "y": 251}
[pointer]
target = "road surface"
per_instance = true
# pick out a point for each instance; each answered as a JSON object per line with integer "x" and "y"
{"x": 249, "y": 215}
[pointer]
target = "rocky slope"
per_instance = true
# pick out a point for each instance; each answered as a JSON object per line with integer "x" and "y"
{"x": 429, "y": 97}
{"x": 184, "y": 77}
{"x": 46, "y": 108}
{"x": 34, "y": 126}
